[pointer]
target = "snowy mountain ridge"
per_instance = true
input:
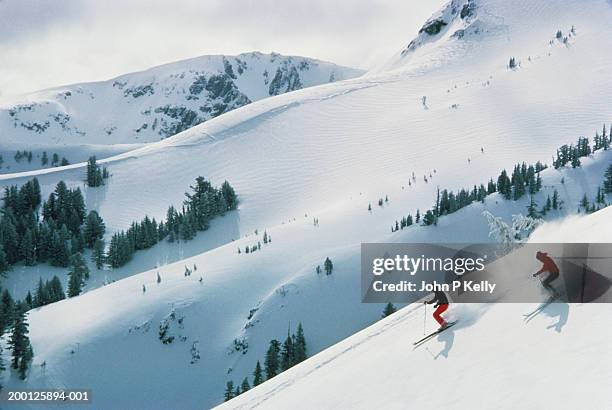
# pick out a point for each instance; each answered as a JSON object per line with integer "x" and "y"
{"x": 159, "y": 102}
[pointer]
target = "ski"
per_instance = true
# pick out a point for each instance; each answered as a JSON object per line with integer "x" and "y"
{"x": 429, "y": 336}
{"x": 531, "y": 315}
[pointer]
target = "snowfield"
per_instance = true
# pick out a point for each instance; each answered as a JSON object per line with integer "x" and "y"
{"x": 490, "y": 359}
{"x": 327, "y": 152}
{"x": 100, "y": 118}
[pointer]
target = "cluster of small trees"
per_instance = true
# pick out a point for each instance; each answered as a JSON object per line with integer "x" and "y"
{"x": 24, "y": 238}
{"x": 600, "y": 198}
{"x": 63, "y": 232}
{"x": 278, "y": 359}
{"x": 203, "y": 203}
{"x": 55, "y": 160}
{"x": 524, "y": 180}
{"x": 328, "y": 266}
{"x": 95, "y": 174}
{"x": 44, "y": 159}
{"x": 572, "y": 153}
{"x": 13, "y": 318}
{"x": 405, "y": 222}
{"x": 19, "y": 155}
{"x": 381, "y": 202}
{"x": 250, "y": 249}
{"x": 552, "y": 203}
{"x": 46, "y": 292}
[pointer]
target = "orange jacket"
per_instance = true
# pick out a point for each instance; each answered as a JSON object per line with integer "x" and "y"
{"x": 548, "y": 264}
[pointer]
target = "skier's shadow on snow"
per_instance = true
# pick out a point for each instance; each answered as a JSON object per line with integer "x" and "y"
{"x": 560, "y": 310}
{"x": 448, "y": 338}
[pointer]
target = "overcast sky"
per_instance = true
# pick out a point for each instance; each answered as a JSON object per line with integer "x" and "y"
{"x": 45, "y": 43}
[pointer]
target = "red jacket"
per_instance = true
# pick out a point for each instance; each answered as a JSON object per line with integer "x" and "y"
{"x": 548, "y": 264}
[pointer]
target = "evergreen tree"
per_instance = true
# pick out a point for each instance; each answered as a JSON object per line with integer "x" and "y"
{"x": 45, "y": 159}
{"x": 97, "y": 254}
{"x": 607, "y": 185}
{"x": 272, "y": 362}
{"x": 230, "y": 195}
{"x": 555, "y": 200}
{"x": 28, "y": 301}
{"x": 93, "y": 229}
{"x": 328, "y": 266}
{"x": 94, "y": 173}
{"x": 229, "y": 391}
{"x": 389, "y": 310}
{"x": 504, "y": 185}
{"x": 4, "y": 265}
{"x": 42, "y": 297}
{"x": 584, "y": 202}
{"x": 299, "y": 346}
{"x": 7, "y": 310}
{"x": 9, "y": 237}
{"x": 60, "y": 256}
{"x": 2, "y": 367}
{"x": 77, "y": 275}
{"x": 55, "y": 290}
{"x": 532, "y": 211}
{"x": 245, "y": 385}
{"x": 28, "y": 248}
{"x": 287, "y": 353}
{"x": 429, "y": 218}
{"x": 257, "y": 375}
{"x": 20, "y": 345}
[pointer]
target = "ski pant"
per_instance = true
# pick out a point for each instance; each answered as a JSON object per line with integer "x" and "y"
{"x": 440, "y": 309}
{"x": 547, "y": 282}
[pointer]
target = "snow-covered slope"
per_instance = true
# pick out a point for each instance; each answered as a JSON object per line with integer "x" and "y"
{"x": 324, "y": 152}
{"x": 490, "y": 359}
{"x": 157, "y": 103}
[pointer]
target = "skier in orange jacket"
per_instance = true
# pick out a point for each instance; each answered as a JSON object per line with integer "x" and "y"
{"x": 548, "y": 266}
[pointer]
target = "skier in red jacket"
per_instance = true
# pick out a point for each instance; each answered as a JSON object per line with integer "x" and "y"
{"x": 548, "y": 266}
{"x": 441, "y": 304}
